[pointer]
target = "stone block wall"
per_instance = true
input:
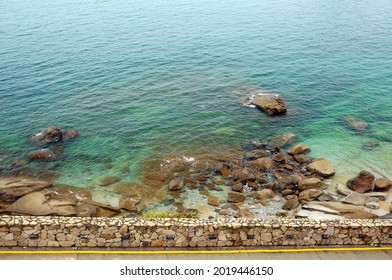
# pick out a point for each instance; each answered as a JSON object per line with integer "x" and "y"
{"x": 76, "y": 232}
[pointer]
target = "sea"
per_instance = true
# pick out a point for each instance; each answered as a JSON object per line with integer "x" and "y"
{"x": 147, "y": 81}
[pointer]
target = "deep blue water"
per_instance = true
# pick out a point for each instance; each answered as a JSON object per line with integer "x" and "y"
{"x": 147, "y": 80}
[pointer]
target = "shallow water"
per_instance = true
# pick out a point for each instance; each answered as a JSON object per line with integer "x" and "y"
{"x": 149, "y": 80}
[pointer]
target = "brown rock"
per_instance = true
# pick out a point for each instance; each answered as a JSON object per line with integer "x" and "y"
{"x": 270, "y": 103}
{"x": 356, "y": 199}
{"x": 264, "y": 194}
{"x": 15, "y": 187}
{"x": 288, "y": 192}
{"x": 309, "y": 194}
{"x": 301, "y": 158}
{"x": 176, "y": 184}
{"x": 242, "y": 175}
{"x": 213, "y": 201}
{"x": 109, "y": 180}
{"x": 226, "y": 173}
{"x": 218, "y": 181}
{"x": 129, "y": 204}
{"x": 257, "y": 154}
{"x": 363, "y": 182}
{"x": 310, "y": 183}
{"x": 43, "y": 154}
{"x": 292, "y": 202}
{"x": 86, "y": 210}
{"x": 279, "y": 158}
{"x": 235, "y": 197}
{"x": 70, "y": 134}
{"x": 382, "y": 184}
{"x": 300, "y": 148}
{"x": 237, "y": 187}
{"x": 322, "y": 167}
{"x": 263, "y": 164}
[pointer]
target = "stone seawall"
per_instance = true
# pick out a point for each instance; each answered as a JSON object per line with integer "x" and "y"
{"x": 75, "y": 232}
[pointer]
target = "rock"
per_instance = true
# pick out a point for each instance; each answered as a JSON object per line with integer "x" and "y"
{"x": 213, "y": 201}
{"x": 177, "y": 165}
{"x": 316, "y": 215}
{"x": 235, "y": 197}
{"x": 356, "y": 124}
{"x": 176, "y": 184}
{"x": 242, "y": 175}
{"x": 70, "y": 134}
{"x": 270, "y": 103}
{"x": 226, "y": 173}
{"x": 316, "y": 207}
{"x": 38, "y": 204}
{"x": 363, "y": 182}
{"x": 309, "y": 194}
{"x": 86, "y": 210}
{"x": 281, "y": 140}
{"x": 387, "y": 207}
{"x": 264, "y": 194}
{"x": 287, "y": 192}
{"x": 263, "y": 164}
{"x": 347, "y": 210}
{"x": 109, "y": 180}
{"x": 377, "y": 195}
{"x": 300, "y": 148}
{"x": 342, "y": 189}
{"x": 14, "y": 187}
{"x": 387, "y": 216}
{"x": 310, "y": 183}
{"x": 371, "y": 145}
{"x": 43, "y": 154}
{"x": 382, "y": 184}
{"x": 356, "y": 199}
{"x": 257, "y": 154}
{"x": 218, "y": 181}
{"x": 237, "y": 187}
{"x": 129, "y": 204}
{"x": 281, "y": 213}
{"x": 373, "y": 205}
{"x": 322, "y": 167}
{"x": 301, "y": 158}
{"x": 292, "y": 202}
{"x": 158, "y": 176}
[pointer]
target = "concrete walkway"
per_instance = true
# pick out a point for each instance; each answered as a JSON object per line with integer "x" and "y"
{"x": 170, "y": 254}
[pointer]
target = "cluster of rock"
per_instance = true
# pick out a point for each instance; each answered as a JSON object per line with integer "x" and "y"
{"x": 30, "y": 196}
{"x": 76, "y": 232}
{"x": 50, "y": 139}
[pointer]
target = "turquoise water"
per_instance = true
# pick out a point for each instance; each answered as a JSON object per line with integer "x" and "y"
{"x": 148, "y": 80}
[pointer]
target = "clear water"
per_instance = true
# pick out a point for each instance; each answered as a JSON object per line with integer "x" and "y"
{"x": 148, "y": 80}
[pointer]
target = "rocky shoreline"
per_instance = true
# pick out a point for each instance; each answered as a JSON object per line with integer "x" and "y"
{"x": 268, "y": 179}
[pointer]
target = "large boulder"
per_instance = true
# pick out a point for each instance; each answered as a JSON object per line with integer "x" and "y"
{"x": 322, "y": 167}
{"x": 43, "y": 154}
{"x": 356, "y": 124}
{"x": 38, "y": 204}
{"x": 12, "y": 188}
{"x": 362, "y": 182}
{"x": 300, "y": 148}
{"x": 272, "y": 104}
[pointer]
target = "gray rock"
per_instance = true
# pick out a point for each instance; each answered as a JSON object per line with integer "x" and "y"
{"x": 356, "y": 199}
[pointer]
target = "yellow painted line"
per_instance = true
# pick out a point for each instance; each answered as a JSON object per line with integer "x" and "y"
{"x": 123, "y": 252}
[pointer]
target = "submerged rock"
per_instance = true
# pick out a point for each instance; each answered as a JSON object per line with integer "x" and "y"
{"x": 281, "y": 140}
{"x": 109, "y": 180}
{"x": 235, "y": 197}
{"x": 363, "y": 182}
{"x": 370, "y": 145}
{"x": 43, "y": 154}
{"x": 356, "y": 123}
{"x": 176, "y": 184}
{"x": 270, "y": 103}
